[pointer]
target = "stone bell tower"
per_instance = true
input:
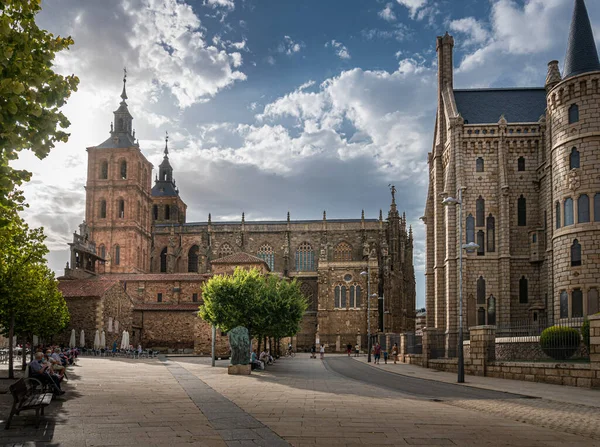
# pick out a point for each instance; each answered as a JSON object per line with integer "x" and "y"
{"x": 118, "y": 197}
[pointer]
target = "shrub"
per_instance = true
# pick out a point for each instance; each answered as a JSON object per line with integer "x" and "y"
{"x": 560, "y": 342}
{"x": 585, "y": 333}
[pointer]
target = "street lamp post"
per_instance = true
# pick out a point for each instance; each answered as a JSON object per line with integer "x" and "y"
{"x": 368, "y": 275}
{"x": 469, "y": 247}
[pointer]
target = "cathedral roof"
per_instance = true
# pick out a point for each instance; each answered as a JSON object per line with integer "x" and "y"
{"x": 119, "y": 140}
{"x": 167, "y": 307}
{"x": 582, "y": 55}
{"x": 238, "y": 259}
{"x": 486, "y": 106}
{"x": 154, "y": 277}
{"x": 85, "y": 288}
{"x": 164, "y": 189}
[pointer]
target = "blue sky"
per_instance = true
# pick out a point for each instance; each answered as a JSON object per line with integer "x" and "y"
{"x": 277, "y": 105}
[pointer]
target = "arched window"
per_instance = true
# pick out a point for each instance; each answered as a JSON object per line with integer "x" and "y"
{"x": 523, "y": 290}
{"x": 225, "y": 250}
{"x": 597, "y": 207}
{"x": 470, "y": 229}
{"x": 193, "y": 259}
{"x": 357, "y": 293}
{"x": 102, "y": 251}
{"x": 104, "y": 170}
{"x": 522, "y": 211}
{"x": 307, "y": 292}
{"x": 342, "y": 252}
{"x": 343, "y": 297}
{"x": 575, "y": 253}
{"x": 163, "y": 260}
{"x": 305, "y": 258}
{"x": 336, "y": 299}
{"x": 481, "y": 316}
{"x": 479, "y": 166}
{"x": 564, "y": 304}
{"x": 123, "y": 169}
{"x": 481, "y": 243}
{"x": 352, "y": 297}
{"x": 480, "y": 212}
{"x": 155, "y": 212}
{"x": 568, "y": 211}
{"x": 117, "y": 255}
{"x": 593, "y": 302}
{"x": 102, "y": 212}
{"x": 577, "y": 303}
{"x": 583, "y": 209}
{"x": 521, "y": 164}
{"x": 491, "y": 310}
{"x": 557, "y": 207}
{"x": 491, "y": 234}
{"x": 121, "y": 210}
{"x": 574, "y": 159}
{"x": 573, "y": 114}
{"x": 167, "y": 212}
{"x": 266, "y": 254}
{"x": 481, "y": 290}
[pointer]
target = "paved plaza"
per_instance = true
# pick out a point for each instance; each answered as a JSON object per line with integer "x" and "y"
{"x": 301, "y": 401}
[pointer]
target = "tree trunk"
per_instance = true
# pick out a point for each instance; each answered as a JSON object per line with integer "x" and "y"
{"x": 259, "y": 342}
{"x": 24, "y": 354}
{"x": 31, "y": 351}
{"x": 11, "y": 333}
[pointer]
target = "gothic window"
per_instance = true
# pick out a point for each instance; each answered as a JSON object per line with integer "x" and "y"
{"x": 102, "y": 209}
{"x": 159, "y": 297}
{"x": 124, "y": 169}
{"x": 522, "y": 211}
{"x": 342, "y": 252}
{"x": 479, "y": 166}
{"x": 225, "y": 250}
{"x": 557, "y": 215}
{"x": 266, "y": 254}
{"x": 307, "y": 291}
{"x": 575, "y": 253}
{"x": 577, "y": 304}
{"x": 481, "y": 243}
{"x": 481, "y": 290}
{"x": 336, "y": 302}
{"x": 470, "y": 229}
{"x": 305, "y": 258}
{"x": 491, "y": 234}
{"x": 597, "y": 207}
{"x": 121, "y": 212}
{"x": 193, "y": 259}
{"x": 163, "y": 260}
{"x": 104, "y": 170}
{"x": 480, "y": 212}
{"x": 481, "y": 316}
{"x": 593, "y": 302}
{"x": 564, "y": 304}
{"x": 352, "y": 297}
{"x": 573, "y": 114}
{"x": 357, "y": 295}
{"x": 574, "y": 159}
{"x": 491, "y": 310}
{"x": 155, "y": 212}
{"x": 139, "y": 210}
{"x": 568, "y": 211}
{"x": 523, "y": 290}
{"x": 521, "y": 164}
{"x": 343, "y": 297}
{"x": 117, "y": 255}
{"x": 102, "y": 251}
{"x": 194, "y": 297}
{"x": 167, "y": 212}
{"x": 583, "y": 209}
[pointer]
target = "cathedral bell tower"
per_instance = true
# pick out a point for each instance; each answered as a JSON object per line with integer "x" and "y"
{"x": 118, "y": 197}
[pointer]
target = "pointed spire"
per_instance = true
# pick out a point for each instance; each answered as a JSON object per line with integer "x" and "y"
{"x": 362, "y": 215}
{"x": 553, "y": 77}
{"x": 582, "y": 55}
{"x": 111, "y": 127}
{"x": 288, "y": 217}
{"x": 166, "y": 144}
{"x": 380, "y": 215}
{"x": 324, "y": 215}
{"x": 124, "y": 92}
{"x": 209, "y": 218}
{"x": 243, "y": 217}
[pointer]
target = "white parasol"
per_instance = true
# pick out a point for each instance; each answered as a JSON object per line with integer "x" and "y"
{"x": 82, "y": 339}
{"x": 103, "y": 340}
{"x": 97, "y": 340}
{"x": 110, "y": 324}
{"x": 123, "y": 340}
{"x": 36, "y": 340}
{"x": 71, "y": 341}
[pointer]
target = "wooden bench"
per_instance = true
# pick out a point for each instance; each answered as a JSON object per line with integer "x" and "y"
{"x": 27, "y": 396}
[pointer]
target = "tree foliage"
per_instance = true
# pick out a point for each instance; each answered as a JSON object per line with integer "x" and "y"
{"x": 265, "y": 305}
{"x": 31, "y": 93}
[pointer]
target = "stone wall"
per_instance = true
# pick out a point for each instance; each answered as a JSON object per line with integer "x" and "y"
{"x": 116, "y": 305}
{"x": 84, "y": 315}
{"x": 557, "y": 373}
{"x": 202, "y": 340}
{"x": 527, "y": 348}
{"x": 166, "y": 329}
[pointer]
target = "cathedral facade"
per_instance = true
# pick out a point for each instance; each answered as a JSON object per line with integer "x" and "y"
{"x": 138, "y": 234}
{"x": 526, "y": 162}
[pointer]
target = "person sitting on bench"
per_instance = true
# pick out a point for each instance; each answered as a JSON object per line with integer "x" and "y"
{"x": 42, "y": 371}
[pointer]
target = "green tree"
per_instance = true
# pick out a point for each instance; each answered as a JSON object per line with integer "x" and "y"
{"x": 31, "y": 93}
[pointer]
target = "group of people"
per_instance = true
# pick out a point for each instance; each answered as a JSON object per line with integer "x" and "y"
{"x": 49, "y": 366}
{"x": 260, "y": 361}
{"x": 378, "y": 351}
{"x": 313, "y": 352}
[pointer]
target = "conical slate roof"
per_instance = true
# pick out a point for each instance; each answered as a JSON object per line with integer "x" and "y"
{"x": 582, "y": 55}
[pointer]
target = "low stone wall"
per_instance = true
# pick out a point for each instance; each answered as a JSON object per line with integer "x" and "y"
{"x": 447, "y": 365}
{"x": 413, "y": 359}
{"x": 573, "y": 374}
{"x": 527, "y": 348}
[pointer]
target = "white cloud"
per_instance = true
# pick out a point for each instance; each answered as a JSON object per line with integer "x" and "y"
{"x": 387, "y": 13}
{"x": 289, "y": 46}
{"x": 340, "y": 49}
{"x": 399, "y": 32}
{"x": 413, "y": 6}
{"x": 472, "y": 28}
{"x": 228, "y": 4}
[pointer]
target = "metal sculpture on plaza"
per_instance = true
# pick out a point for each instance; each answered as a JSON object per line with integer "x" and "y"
{"x": 239, "y": 342}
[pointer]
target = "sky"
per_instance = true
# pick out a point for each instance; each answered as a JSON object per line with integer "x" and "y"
{"x": 280, "y": 105}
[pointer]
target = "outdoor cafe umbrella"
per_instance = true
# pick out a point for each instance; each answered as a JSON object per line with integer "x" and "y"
{"x": 123, "y": 340}
{"x": 126, "y": 339}
{"x": 82, "y": 339}
{"x": 35, "y": 340}
{"x": 97, "y": 340}
{"x": 103, "y": 340}
{"x": 72, "y": 340}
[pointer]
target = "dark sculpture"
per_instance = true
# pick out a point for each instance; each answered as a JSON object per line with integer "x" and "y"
{"x": 239, "y": 342}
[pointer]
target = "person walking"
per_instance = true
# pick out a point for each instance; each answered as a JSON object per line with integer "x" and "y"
{"x": 313, "y": 352}
{"x": 349, "y": 349}
{"x": 395, "y": 352}
{"x": 377, "y": 352}
{"x": 385, "y": 356}
{"x": 357, "y": 350}
{"x": 322, "y": 351}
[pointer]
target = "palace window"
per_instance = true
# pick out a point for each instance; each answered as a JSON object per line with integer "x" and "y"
{"x": 159, "y": 297}
{"x": 305, "y": 258}
{"x": 480, "y": 212}
{"x": 103, "y": 209}
{"x": 470, "y": 229}
{"x": 155, "y": 212}
{"x": 479, "y": 166}
{"x": 193, "y": 259}
{"x": 577, "y": 303}
{"x": 573, "y": 114}
{"x": 597, "y": 207}
{"x": 167, "y": 212}
{"x": 343, "y": 297}
{"x": 521, "y": 164}
{"x": 491, "y": 234}
{"x": 523, "y": 290}
{"x": 117, "y": 255}
{"x": 593, "y": 302}
{"x": 481, "y": 243}
{"x": 583, "y": 209}
{"x": 575, "y": 254}
{"x": 121, "y": 209}
{"x": 354, "y": 296}
{"x": 481, "y": 316}
{"x": 491, "y": 310}
{"x": 568, "y": 211}
{"x": 564, "y": 304}
{"x": 194, "y": 297}
{"x": 124, "y": 169}
{"x": 163, "y": 260}
{"x": 342, "y": 252}
{"x": 336, "y": 299}
{"x": 574, "y": 159}
{"x": 557, "y": 206}
{"x": 481, "y": 291}
{"x": 266, "y": 254}
{"x": 225, "y": 250}
{"x": 522, "y": 211}
{"x": 104, "y": 170}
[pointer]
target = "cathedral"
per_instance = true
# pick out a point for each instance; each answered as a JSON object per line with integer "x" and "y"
{"x": 524, "y": 162}
{"x": 137, "y": 264}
